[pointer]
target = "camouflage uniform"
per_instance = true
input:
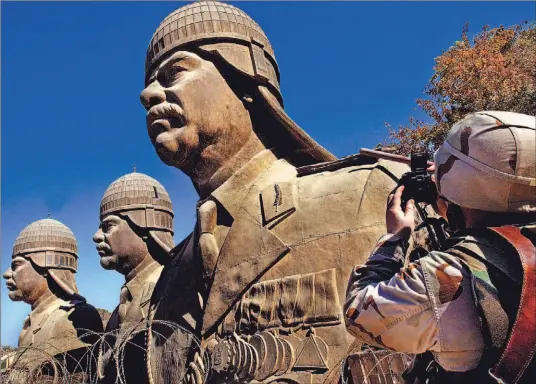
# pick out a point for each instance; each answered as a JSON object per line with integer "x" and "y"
{"x": 436, "y": 303}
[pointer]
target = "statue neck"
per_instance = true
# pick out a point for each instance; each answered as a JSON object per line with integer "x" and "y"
{"x": 147, "y": 260}
{"x": 41, "y": 299}
{"x": 227, "y": 168}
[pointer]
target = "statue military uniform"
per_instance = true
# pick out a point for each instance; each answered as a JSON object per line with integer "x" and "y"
{"x": 260, "y": 283}
{"x": 145, "y": 204}
{"x": 61, "y": 326}
{"x": 280, "y": 258}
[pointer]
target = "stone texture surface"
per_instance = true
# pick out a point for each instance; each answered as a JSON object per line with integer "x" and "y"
{"x": 268, "y": 261}
{"x": 62, "y": 325}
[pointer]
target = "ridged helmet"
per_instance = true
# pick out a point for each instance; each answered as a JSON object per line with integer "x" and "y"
{"x": 145, "y": 202}
{"x": 49, "y": 244}
{"x": 226, "y": 31}
{"x": 217, "y": 27}
{"x": 488, "y": 162}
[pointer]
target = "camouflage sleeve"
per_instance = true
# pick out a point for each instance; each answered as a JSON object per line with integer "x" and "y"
{"x": 386, "y": 301}
{"x": 426, "y": 305}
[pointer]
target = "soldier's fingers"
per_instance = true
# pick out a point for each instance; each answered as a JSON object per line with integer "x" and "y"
{"x": 397, "y": 197}
{"x": 410, "y": 209}
{"x": 431, "y": 167}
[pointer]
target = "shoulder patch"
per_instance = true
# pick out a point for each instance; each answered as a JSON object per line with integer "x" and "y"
{"x": 357, "y": 159}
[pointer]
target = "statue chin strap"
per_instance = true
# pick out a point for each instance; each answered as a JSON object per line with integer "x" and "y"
{"x": 65, "y": 281}
{"x": 305, "y": 144}
{"x": 160, "y": 242}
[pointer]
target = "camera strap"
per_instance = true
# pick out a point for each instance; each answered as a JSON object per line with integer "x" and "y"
{"x": 521, "y": 345}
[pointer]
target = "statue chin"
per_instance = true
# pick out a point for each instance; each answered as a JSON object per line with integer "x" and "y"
{"x": 109, "y": 262}
{"x": 15, "y": 296}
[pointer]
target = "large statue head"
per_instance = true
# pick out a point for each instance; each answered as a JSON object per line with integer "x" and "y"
{"x": 211, "y": 82}
{"x": 45, "y": 258}
{"x": 136, "y": 218}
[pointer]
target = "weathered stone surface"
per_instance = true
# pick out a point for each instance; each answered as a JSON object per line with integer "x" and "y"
{"x": 134, "y": 239}
{"x": 61, "y": 326}
{"x": 273, "y": 248}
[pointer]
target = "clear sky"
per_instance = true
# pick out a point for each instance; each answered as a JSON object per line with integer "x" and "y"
{"x": 72, "y": 122}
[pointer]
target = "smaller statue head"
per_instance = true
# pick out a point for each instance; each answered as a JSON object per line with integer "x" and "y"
{"x": 44, "y": 260}
{"x": 136, "y": 217}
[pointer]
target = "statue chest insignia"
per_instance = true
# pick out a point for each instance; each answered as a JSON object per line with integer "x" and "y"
{"x": 277, "y": 200}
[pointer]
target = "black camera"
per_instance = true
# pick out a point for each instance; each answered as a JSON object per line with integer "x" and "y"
{"x": 418, "y": 182}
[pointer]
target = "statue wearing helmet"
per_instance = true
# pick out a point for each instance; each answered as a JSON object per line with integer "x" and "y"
{"x": 261, "y": 279}
{"x": 62, "y": 326}
{"x": 134, "y": 238}
{"x": 264, "y": 271}
{"x": 468, "y": 308}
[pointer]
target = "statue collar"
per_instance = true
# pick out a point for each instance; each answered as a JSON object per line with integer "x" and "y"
{"x": 231, "y": 193}
{"x": 44, "y": 308}
{"x": 136, "y": 279}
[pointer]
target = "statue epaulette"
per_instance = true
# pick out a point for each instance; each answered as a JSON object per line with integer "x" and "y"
{"x": 329, "y": 166}
{"x": 74, "y": 303}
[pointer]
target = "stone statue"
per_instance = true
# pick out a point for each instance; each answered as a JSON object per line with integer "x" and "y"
{"x": 134, "y": 238}
{"x": 261, "y": 280}
{"x": 61, "y": 328}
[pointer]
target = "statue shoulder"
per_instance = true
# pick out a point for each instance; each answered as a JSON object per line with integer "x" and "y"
{"x": 81, "y": 314}
{"x": 393, "y": 169}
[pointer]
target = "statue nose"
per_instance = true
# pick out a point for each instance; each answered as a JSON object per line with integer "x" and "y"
{"x": 152, "y": 95}
{"x": 98, "y": 236}
{"x": 7, "y": 274}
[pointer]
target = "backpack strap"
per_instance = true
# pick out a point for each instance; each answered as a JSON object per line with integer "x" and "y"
{"x": 521, "y": 344}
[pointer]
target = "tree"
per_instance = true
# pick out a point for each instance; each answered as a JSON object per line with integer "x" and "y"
{"x": 105, "y": 316}
{"x": 494, "y": 71}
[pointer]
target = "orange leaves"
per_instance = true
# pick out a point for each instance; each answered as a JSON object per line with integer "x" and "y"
{"x": 495, "y": 70}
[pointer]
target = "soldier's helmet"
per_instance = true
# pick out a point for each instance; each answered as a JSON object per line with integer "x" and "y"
{"x": 227, "y": 32}
{"x": 50, "y": 244}
{"x": 488, "y": 162}
{"x": 145, "y": 202}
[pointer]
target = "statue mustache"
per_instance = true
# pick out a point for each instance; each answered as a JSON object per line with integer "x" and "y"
{"x": 104, "y": 248}
{"x": 165, "y": 110}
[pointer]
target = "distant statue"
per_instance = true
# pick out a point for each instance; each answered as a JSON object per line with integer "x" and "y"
{"x": 57, "y": 336}
{"x": 281, "y": 222}
{"x": 134, "y": 239}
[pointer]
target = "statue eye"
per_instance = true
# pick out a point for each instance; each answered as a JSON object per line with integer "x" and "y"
{"x": 168, "y": 75}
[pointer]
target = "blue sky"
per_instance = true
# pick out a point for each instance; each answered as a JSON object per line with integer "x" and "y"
{"x": 72, "y": 122}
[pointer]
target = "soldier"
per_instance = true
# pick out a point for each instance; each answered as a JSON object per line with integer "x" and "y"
{"x": 261, "y": 279}
{"x": 457, "y": 306}
{"x": 62, "y": 326}
{"x": 134, "y": 238}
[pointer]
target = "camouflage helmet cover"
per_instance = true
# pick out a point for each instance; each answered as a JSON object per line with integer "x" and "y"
{"x": 145, "y": 202}
{"x": 488, "y": 162}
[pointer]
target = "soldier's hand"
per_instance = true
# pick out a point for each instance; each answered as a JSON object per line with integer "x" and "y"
{"x": 399, "y": 222}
